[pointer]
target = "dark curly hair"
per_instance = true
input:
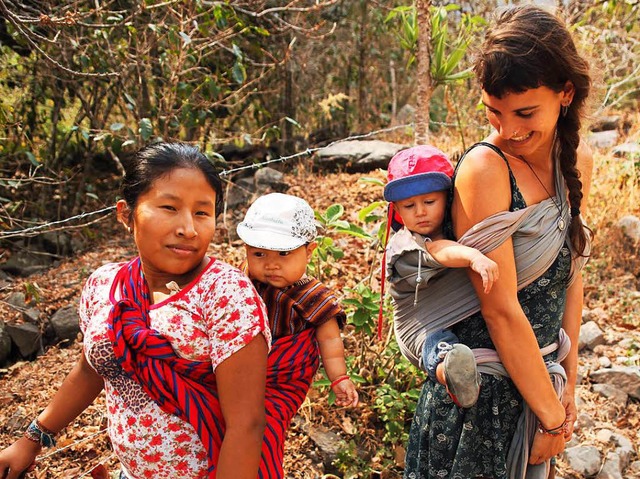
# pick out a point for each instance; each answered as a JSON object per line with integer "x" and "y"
{"x": 528, "y": 47}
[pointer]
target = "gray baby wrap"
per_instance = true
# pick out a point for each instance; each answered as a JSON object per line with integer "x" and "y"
{"x": 538, "y": 232}
{"x": 444, "y": 297}
{"x": 518, "y": 456}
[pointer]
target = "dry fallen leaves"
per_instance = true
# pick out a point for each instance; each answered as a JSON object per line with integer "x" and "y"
{"x": 25, "y": 387}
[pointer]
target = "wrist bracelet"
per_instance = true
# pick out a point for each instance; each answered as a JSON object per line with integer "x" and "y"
{"x": 39, "y": 434}
{"x": 556, "y": 431}
{"x": 339, "y": 380}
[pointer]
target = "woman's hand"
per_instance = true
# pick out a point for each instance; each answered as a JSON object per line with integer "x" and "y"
{"x": 17, "y": 458}
{"x": 545, "y": 446}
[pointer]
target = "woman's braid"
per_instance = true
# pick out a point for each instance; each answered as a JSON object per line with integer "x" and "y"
{"x": 569, "y": 139}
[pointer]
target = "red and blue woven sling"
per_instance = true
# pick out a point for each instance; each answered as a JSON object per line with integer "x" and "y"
{"x": 291, "y": 365}
{"x": 179, "y": 386}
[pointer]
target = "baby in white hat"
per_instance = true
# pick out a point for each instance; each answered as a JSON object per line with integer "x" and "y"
{"x": 304, "y": 316}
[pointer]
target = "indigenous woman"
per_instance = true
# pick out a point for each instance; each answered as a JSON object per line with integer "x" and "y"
{"x": 177, "y": 339}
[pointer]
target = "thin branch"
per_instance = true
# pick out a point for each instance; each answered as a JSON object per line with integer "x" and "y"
{"x": 286, "y": 8}
{"x": 12, "y": 19}
{"x": 633, "y": 76}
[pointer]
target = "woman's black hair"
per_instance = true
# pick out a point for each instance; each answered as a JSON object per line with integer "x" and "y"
{"x": 160, "y": 159}
{"x": 528, "y": 47}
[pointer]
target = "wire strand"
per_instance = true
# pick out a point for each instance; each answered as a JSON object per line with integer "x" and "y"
{"x": 53, "y": 226}
{"x": 39, "y": 229}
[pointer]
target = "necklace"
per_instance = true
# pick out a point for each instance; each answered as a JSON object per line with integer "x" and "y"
{"x": 561, "y": 222}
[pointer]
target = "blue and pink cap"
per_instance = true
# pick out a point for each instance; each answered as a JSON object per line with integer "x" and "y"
{"x": 417, "y": 171}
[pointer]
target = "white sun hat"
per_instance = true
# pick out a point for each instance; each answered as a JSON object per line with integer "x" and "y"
{"x": 278, "y": 222}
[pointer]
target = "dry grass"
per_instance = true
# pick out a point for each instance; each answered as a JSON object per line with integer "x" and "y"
{"x": 611, "y": 284}
{"x": 612, "y": 277}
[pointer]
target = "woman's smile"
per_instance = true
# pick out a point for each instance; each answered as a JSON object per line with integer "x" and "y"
{"x": 522, "y": 138}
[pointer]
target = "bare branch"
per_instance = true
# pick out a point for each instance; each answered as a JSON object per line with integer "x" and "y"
{"x": 287, "y": 8}
{"x": 18, "y": 26}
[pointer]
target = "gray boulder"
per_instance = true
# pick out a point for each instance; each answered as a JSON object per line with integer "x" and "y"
{"x": 603, "y": 139}
{"x": 66, "y": 323}
{"x": 626, "y": 378}
{"x": 269, "y": 179}
{"x": 629, "y": 150}
{"x": 615, "y": 395}
{"x": 585, "y": 460}
{"x": 612, "y": 468}
{"x": 604, "y": 123}
{"x": 24, "y": 263}
{"x": 356, "y": 156}
{"x": 240, "y": 193}
{"x": 630, "y": 227}
{"x": 5, "y": 343}
{"x": 26, "y": 337}
{"x": 590, "y": 336}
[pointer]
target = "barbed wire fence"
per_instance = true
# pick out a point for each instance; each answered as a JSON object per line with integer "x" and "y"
{"x": 70, "y": 223}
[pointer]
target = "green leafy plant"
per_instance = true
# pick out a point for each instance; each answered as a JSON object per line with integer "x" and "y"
{"x": 331, "y": 222}
{"x": 32, "y": 292}
{"x": 447, "y": 50}
{"x": 363, "y": 305}
{"x": 351, "y": 463}
{"x": 395, "y": 409}
{"x": 407, "y": 32}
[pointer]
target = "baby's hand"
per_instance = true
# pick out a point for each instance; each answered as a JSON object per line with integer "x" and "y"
{"x": 345, "y": 391}
{"x": 486, "y": 268}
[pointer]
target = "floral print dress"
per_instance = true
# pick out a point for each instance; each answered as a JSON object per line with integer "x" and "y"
{"x": 213, "y": 317}
{"x": 446, "y": 441}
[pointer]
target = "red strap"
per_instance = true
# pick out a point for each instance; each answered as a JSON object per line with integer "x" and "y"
{"x": 383, "y": 276}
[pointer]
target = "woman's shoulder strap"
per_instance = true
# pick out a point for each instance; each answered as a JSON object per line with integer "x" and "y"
{"x": 448, "y": 224}
{"x": 488, "y": 145}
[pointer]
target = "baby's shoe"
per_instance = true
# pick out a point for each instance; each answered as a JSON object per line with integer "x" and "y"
{"x": 461, "y": 375}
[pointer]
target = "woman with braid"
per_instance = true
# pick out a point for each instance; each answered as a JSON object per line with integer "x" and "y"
{"x": 517, "y": 196}
{"x": 177, "y": 339}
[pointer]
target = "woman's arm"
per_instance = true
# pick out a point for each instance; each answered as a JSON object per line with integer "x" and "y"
{"x": 332, "y": 353}
{"x": 241, "y": 382}
{"x": 571, "y": 324}
{"x": 79, "y": 389}
{"x": 482, "y": 189}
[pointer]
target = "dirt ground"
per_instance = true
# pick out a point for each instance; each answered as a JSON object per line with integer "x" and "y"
{"x": 611, "y": 282}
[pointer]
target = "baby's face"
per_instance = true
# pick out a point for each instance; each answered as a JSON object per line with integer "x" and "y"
{"x": 278, "y": 268}
{"x": 424, "y": 214}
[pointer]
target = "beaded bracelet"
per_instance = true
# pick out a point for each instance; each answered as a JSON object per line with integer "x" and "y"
{"x": 39, "y": 434}
{"x": 556, "y": 431}
{"x": 339, "y": 380}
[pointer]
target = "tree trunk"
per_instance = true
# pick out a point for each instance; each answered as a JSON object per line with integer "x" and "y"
{"x": 394, "y": 92}
{"x": 362, "y": 58}
{"x": 288, "y": 107}
{"x": 424, "y": 71}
